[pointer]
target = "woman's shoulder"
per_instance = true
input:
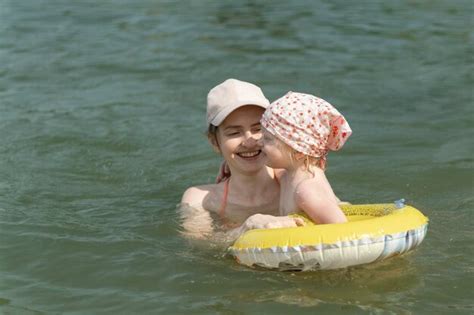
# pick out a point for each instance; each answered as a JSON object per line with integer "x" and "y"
{"x": 202, "y": 195}
{"x": 195, "y": 194}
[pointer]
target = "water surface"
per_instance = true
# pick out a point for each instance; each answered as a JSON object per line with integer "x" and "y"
{"x": 102, "y": 119}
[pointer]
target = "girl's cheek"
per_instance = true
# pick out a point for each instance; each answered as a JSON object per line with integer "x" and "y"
{"x": 258, "y": 135}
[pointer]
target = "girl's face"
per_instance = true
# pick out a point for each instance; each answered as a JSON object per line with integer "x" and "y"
{"x": 238, "y": 140}
{"x": 278, "y": 156}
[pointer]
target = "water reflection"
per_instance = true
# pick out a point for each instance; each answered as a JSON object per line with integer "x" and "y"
{"x": 379, "y": 286}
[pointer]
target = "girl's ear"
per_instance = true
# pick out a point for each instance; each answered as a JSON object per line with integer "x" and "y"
{"x": 212, "y": 138}
{"x": 298, "y": 155}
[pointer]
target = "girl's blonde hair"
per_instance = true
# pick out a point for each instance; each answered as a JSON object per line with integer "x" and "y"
{"x": 310, "y": 162}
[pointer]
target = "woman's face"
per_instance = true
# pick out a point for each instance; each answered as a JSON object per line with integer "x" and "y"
{"x": 238, "y": 140}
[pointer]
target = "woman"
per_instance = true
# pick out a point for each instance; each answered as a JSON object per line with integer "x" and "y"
{"x": 249, "y": 199}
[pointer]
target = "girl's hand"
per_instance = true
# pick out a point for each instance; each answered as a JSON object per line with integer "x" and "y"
{"x": 224, "y": 173}
{"x": 264, "y": 221}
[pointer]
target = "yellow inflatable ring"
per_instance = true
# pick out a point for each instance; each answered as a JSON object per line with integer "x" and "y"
{"x": 374, "y": 232}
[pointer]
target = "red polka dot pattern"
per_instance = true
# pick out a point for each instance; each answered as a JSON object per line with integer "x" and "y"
{"x": 306, "y": 123}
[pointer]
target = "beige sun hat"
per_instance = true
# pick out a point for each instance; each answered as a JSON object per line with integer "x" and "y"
{"x": 230, "y": 95}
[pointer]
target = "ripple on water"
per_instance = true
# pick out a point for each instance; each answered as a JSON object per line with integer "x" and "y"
{"x": 102, "y": 123}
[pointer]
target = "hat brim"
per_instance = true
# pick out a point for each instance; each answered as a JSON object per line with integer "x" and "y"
{"x": 222, "y": 115}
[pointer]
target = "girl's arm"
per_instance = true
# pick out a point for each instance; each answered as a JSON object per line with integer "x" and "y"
{"x": 316, "y": 198}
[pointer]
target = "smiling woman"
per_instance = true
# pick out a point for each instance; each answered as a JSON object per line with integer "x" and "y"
{"x": 250, "y": 198}
{"x": 237, "y": 139}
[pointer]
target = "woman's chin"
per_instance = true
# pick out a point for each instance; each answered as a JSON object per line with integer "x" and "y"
{"x": 252, "y": 164}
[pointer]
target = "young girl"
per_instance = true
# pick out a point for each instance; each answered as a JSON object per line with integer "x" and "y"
{"x": 299, "y": 130}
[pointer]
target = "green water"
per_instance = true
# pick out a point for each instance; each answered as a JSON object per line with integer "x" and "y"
{"x": 102, "y": 114}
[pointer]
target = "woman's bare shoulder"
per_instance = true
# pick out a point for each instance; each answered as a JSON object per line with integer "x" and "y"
{"x": 195, "y": 194}
{"x": 204, "y": 196}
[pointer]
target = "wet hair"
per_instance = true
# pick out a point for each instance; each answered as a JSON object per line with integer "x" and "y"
{"x": 211, "y": 134}
{"x": 211, "y": 130}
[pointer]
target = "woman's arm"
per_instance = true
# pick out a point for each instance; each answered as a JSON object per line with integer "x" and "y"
{"x": 258, "y": 221}
{"x": 197, "y": 221}
{"x": 266, "y": 221}
{"x": 198, "y": 224}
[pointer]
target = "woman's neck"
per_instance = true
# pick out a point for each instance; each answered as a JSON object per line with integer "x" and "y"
{"x": 252, "y": 184}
